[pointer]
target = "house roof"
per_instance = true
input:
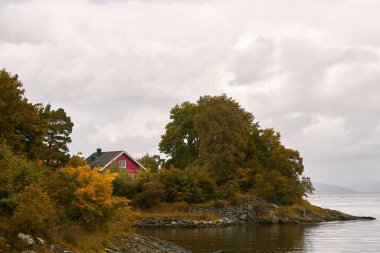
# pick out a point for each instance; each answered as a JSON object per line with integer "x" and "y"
{"x": 106, "y": 158}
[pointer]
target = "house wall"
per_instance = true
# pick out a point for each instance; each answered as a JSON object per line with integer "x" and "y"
{"x": 132, "y": 167}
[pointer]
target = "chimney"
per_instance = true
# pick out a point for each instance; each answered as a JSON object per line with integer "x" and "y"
{"x": 98, "y": 151}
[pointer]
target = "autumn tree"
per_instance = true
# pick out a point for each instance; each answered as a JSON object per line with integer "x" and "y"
{"x": 218, "y": 133}
{"x": 76, "y": 161}
{"x": 36, "y": 130}
{"x": 223, "y": 129}
{"x": 215, "y": 130}
{"x": 20, "y": 125}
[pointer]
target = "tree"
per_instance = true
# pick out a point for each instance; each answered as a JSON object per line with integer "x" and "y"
{"x": 20, "y": 125}
{"x": 59, "y": 128}
{"x": 180, "y": 141}
{"x": 218, "y": 133}
{"x": 215, "y": 130}
{"x": 223, "y": 129}
{"x": 153, "y": 163}
{"x": 77, "y": 161}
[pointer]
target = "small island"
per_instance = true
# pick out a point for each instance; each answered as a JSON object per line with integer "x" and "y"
{"x": 221, "y": 169}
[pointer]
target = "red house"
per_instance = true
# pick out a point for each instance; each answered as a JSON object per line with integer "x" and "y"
{"x": 121, "y": 159}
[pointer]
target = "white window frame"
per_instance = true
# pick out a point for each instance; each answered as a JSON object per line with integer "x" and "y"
{"x": 122, "y": 164}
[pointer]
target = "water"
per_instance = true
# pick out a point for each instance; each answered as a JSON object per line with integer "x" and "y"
{"x": 349, "y": 236}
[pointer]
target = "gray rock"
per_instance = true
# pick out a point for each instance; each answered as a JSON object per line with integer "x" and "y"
{"x": 274, "y": 205}
{"x": 59, "y": 249}
{"x": 39, "y": 241}
{"x": 243, "y": 217}
{"x": 26, "y": 238}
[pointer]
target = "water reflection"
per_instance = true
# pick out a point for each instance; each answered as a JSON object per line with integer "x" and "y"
{"x": 254, "y": 238}
{"x": 355, "y": 236}
{"x": 352, "y": 236}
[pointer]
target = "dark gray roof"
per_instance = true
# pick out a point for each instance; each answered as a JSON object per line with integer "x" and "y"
{"x": 105, "y": 157}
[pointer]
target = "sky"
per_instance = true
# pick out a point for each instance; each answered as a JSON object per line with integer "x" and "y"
{"x": 309, "y": 69}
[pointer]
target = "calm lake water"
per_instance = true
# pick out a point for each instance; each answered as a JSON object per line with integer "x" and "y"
{"x": 349, "y": 236}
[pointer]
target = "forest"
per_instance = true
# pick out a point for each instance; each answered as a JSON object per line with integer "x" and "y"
{"x": 214, "y": 151}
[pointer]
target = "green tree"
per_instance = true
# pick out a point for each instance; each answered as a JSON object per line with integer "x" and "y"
{"x": 217, "y": 132}
{"x": 152, "y": 163}
{"x": 124, "y": 185}
{"x": 223, "y": 128}
{"x": 57, "y": 138}
{"x": 180, "y": 141}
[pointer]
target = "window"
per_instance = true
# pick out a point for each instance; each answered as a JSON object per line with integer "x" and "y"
{"x": 122, "y": 164}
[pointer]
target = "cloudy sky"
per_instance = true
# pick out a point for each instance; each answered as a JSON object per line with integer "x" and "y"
{"x": 310, "y": 69}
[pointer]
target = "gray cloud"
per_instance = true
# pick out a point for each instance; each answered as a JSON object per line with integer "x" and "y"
{"x": 310, "y": 69}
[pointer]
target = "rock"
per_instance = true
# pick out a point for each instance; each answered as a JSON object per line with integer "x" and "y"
{"x": 39, "y": 241}
{"x": 28, "y": 251}
{"x": 243, "y": 217}
{"x": 255, "y": 210}
{"x": 113, "y": 247}
{"x": 108, "y": 250}
{"x": 274, "y": 205}
{"x": 59, "y": 249}
{"x": 26, "y": 238}
{"x": 144, "y": 244}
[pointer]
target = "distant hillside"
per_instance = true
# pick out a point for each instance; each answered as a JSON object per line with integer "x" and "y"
{"x": 369, "y": 186}
{"x": 321, "y": 188}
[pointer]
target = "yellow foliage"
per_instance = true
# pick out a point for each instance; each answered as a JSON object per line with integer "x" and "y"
{"x": 95, "y": 205}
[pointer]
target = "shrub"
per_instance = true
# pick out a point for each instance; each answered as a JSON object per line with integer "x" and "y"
{"x": 193, "y": 185}
{"x": 152, "y": 194}
{"x": 94, "y": 205}
{"x": 277, "y": 188}
{"x": 229, "y": 191}
{"x": 35, "y": 211}
{"x": 124, "y": 185}
{"x": 15, "y": 174}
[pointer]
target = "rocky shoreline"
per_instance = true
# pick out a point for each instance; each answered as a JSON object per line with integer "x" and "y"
{"x": 142, "y": 244}
{"x": 248, "y": 211}
{"x": 133, "y": 243}
{"x": 252, "y": 211}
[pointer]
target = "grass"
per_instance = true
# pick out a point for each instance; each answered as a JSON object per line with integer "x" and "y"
{"x": 176, "y": 210}
{"x": 179, "y": 214}
{"x": 72, "y": 237}
{"x": 293, "y": 211}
